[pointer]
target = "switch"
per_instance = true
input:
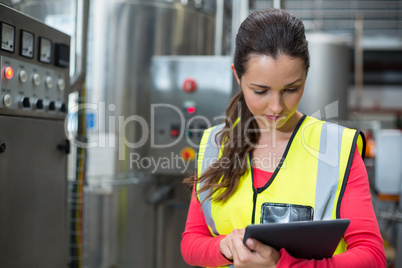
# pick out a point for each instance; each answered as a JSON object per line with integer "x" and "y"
{"x": 49, "y": 82}
{"x": 63, "y": 108}
{"x": 23, "y": 76}
{"x": 7, "y": 100}
{"x": 52, "y": 106}
{"x": 26, "y": 103}
{"x": 36, "y": 79}
{"x": 61, "y": 85}
{"x": 39, "y": 104}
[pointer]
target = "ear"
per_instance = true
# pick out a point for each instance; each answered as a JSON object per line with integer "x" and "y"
{"x": 235, "y": 73}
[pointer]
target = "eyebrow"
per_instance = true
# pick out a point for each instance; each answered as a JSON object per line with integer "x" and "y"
{"x": 268, "y": 87}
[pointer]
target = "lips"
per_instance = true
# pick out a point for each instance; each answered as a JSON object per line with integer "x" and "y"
{"x": 274, "y": 117}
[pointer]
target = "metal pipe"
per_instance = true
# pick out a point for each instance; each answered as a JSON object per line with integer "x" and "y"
{"x": 359, "y": 60}
{"x": 219, "y": 27}
{"x": 78, "y": 77}
{"x": 239, "y": 13}
{"x": 160, "y": 235}
{"x": 280, "y": 4}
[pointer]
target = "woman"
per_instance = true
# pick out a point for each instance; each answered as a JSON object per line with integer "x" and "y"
{"x": 272, "y": 160}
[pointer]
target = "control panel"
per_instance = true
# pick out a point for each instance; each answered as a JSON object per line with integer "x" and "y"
{"x": 34, "y": 60}
{"x": 190, "y": 94}
{"x": 27, "y": 87}
{"x": 34, "y": 85}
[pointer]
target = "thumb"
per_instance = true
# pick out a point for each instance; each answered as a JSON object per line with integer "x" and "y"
{"x": 263, "y": 250}
{"x": 251, "y": 244}
{"x": 257, "y": 246}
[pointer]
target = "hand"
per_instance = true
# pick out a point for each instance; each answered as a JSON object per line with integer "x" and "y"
{"x": 255, "y": 255}
{"x": 226, "y": 244}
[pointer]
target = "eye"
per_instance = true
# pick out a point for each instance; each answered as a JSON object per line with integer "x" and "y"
{"x": 291, "y": 90}
{"x": 260, "y": 92}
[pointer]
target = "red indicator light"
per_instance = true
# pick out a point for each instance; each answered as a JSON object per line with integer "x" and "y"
{"x": 189, "y": 85}
{"x": 187, "y": 153}
{"x": 191, "y": 109}
{"x": 8, "y": 72}
{"x": 174, "y": 132}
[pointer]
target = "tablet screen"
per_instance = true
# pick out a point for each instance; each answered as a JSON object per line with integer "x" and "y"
{"x": 302, "y": 239}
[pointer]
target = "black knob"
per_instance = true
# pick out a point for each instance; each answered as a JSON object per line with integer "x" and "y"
{"x": 2, "y": 147}
{"x": 65, "y": 146}
{"x": 52, "y": 106}
{"x": 39, "y": 104}
{"x": 63, "y": 108}
{"x": 26, "y": 103}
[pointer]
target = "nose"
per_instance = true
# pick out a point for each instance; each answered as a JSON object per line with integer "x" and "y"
{"x": 276, "y": 103}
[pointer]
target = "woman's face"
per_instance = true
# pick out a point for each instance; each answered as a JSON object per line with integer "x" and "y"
{"x": 272, "y": 90}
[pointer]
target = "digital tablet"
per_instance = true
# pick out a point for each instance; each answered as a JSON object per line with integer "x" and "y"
{"x": 302, "y": 239}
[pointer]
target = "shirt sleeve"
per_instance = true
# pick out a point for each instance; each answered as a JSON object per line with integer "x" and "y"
{"x": 198, "y": 247}
{"x": 364, "y": 243}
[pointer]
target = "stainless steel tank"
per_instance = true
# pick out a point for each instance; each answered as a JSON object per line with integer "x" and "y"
{"x": 326, "y": 91}
{"x": 125, "y": 35}
{"x": 126, "y": 223}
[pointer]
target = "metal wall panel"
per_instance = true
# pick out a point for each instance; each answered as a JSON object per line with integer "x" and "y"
{"x": 33, "y": 178}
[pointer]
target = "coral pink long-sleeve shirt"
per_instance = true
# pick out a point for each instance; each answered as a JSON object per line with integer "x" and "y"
{"x": 364, "y": 243}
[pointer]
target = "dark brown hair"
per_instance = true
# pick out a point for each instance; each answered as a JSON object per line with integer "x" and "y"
{"x": 270, "y": 32}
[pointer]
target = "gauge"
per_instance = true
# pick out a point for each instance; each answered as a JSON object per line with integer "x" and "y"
{"x": 7, "y": 37}
{"x": 45, "y": 50}
{"x": 27, "y": 44}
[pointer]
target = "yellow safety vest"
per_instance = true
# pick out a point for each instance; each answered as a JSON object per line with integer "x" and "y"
{"x": 313, "y": 173}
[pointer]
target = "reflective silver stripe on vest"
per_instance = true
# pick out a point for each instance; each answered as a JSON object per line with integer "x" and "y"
{"x": 327, "y": 170}
{"x": 211, "y": 151}
{"x": 211, "y": 154}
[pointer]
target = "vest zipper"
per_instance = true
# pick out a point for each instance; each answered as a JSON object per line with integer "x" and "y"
{"x": 254, "y": 205}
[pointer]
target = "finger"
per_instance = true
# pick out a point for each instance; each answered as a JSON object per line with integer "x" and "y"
{"x": 226, "y": 247}
{"x": 227, "y": 244}
{"x": 261, "y": 249}
{"x": 227, "y": 253}
{"x": 240, "y": 252}
{"x": 238, "y": 233}
{"x": 242, "y": 232}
